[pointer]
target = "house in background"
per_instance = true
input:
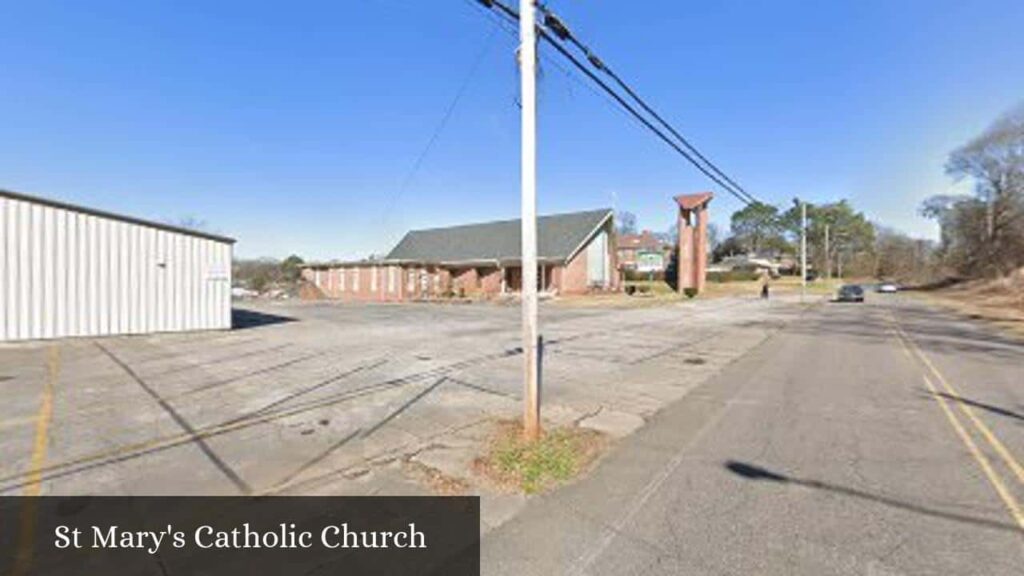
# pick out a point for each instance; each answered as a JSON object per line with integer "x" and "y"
{"x": 642, "y": 252}
{"x": 575, "y": 251}
{"x": 747, "y": 263}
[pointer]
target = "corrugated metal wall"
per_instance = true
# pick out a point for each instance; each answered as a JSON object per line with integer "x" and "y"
{"x": 68, "y": 273}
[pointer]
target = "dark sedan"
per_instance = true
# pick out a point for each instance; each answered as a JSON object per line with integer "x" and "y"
{"x": 850, "y": 293}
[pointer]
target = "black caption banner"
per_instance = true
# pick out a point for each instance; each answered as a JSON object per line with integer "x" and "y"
{"x": 226, "y": 536}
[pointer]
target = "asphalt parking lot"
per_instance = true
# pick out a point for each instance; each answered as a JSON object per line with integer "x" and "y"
{"x": 314, "y": 398}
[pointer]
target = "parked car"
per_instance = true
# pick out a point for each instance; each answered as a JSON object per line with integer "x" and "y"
{"x": 887, "y": 288}
{"x": 850, "y": 293}
{"x": 242, "y": 292}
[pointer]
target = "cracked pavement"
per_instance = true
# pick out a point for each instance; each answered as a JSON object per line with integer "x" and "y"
{"x": 825, "y": 450}
{"x": 328, "y": 398}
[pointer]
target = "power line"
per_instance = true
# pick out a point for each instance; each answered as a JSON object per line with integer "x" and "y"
{"x": 545, "y": 35}
{"x": 510, "y": 26}
{"x": 641, "y": 119}
{"x": 449, "y": 111}
{"x": 562, "y": 32}
{"x": 499, "y": 19}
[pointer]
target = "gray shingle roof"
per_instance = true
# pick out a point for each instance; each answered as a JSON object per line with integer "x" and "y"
{"x": 558, "y": 236}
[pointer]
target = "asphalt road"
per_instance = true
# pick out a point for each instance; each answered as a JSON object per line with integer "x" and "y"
{"x": 880, "y": 438}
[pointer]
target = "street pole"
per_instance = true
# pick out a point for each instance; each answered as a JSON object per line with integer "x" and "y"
{"x": 828, "y": 257}
{"x": 528, "y": 87}
{"x": 803, "y": 250}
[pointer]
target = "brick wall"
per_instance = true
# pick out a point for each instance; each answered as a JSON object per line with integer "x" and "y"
{"x": 358, "y": 282}
{"x": 490, "y": 282}
{"x": 465, "y": 281}
{"x": 383, "y": 283}
{"x": 573, "y": 277}
{"x": 693, "y": 240}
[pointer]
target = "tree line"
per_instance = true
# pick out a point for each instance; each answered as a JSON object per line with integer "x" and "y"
{"x": 982, "y": 233}
{"x": 263, "y": 274}
{"x": 840, "y": 239}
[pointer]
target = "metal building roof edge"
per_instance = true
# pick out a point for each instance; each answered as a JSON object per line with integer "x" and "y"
{"x": 113, "y": 216}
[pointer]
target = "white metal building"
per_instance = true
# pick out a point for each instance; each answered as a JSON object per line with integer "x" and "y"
{"x": 72, "y": 271}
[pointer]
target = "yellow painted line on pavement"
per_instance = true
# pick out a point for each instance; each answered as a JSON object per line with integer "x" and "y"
{"x": 1005, "y": 494}
{"x": 43, "y": 418}
{"x": 201, "y": 433}
{"x": 980, "y": 425}
{"x": 33, "y": 486}
{"x": 986, "y": 466}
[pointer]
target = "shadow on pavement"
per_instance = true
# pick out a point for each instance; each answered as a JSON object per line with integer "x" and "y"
{"x": 932, "y": 331}
{"x": 243, "y": 319}
{"x": 932, "y": 286}
{"x": 754, "y": 472}
{"x": 983, "y": 406}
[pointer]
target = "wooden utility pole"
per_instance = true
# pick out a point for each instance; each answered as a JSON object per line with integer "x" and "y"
{"x": 828, "y": 256}
{"x": 528, "y": 87}
{"x": 803, "y": 250}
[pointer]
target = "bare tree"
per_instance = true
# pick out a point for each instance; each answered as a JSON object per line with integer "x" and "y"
{"x": 626, "y": 222}
{"x": 190, "y": 223}
{"x": 900, "y": 257}
{"x": 669, "y": 237}
{"x": 261, "y": 274}
{"x": 714, "y": 235}
{"x": 983, "y": 234}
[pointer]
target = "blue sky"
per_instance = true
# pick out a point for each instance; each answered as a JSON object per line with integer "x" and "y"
{"x": 293, "y": 126}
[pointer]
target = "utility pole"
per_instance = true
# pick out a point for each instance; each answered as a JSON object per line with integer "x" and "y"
{"x": 828, "y": 256}
{"x": 528, "y": 96}
{"x": 990, "y": 216}
{"x": 803, "y": 250}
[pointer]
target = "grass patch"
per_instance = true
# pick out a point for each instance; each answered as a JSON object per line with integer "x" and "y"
{"x": 976, "y": 300}
{"x": 652, "y": 287}
{"x": 558, "y": 457}
{"x": 659, "y": 293}
{"x": 777, "y": 286}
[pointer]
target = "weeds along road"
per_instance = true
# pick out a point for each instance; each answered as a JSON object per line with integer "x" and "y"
{"x": 883, "y": 438}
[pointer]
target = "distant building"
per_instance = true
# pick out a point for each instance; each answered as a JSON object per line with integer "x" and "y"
{"x": 747, "y": 263}
{"x": 642, "y": 252}
{"x": 575, "y": 253}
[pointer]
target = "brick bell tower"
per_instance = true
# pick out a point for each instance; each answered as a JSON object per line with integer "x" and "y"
{"x": 693, "y": 241}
